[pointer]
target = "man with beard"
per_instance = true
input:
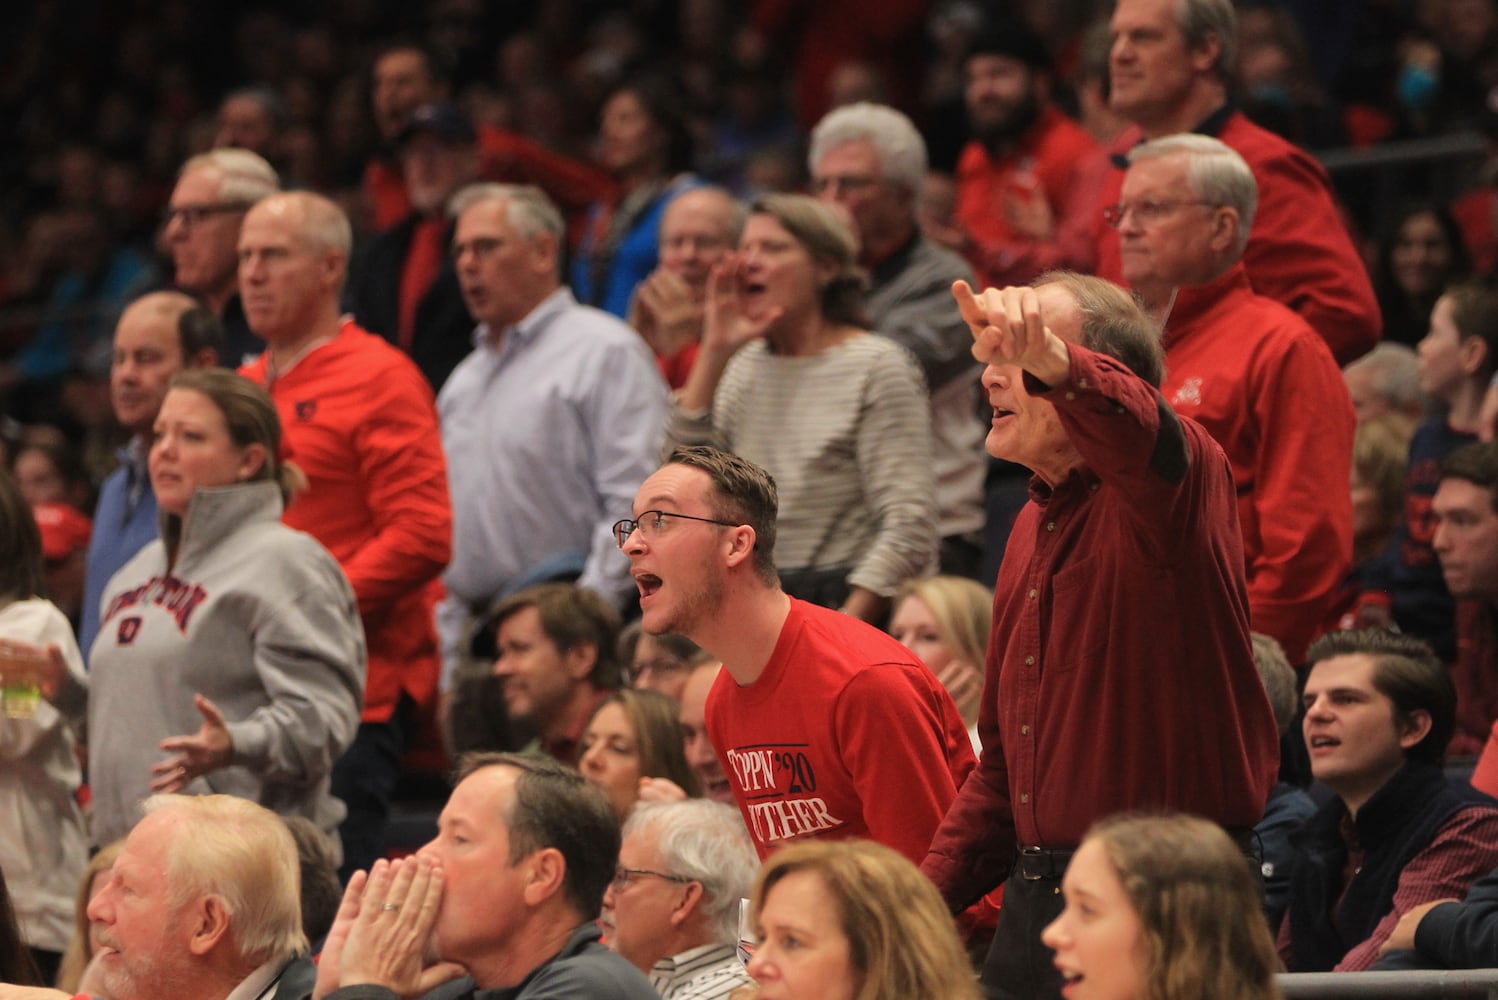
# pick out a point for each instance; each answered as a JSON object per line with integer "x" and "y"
{"x": 1023, "y": 194}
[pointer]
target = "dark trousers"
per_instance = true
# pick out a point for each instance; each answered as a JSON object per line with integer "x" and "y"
{"x": 364, "y": 778}
{"x": 1018, "y": 966}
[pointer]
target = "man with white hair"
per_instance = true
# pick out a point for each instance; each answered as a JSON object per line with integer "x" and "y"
{"x": 214, "y": 191}
{"x": 1248, "y": 369}
{"x": 870, "y": 160}
{"x": 202, "y": 904}
{"x": 359, "y": 419}
{"x": 673, "y": 906}
{"x": 1385, "y": 380}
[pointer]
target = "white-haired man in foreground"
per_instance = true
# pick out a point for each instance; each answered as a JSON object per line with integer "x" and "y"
{"x": 203, "y": 903}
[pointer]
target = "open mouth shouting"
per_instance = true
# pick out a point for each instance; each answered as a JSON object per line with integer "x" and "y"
{"x": 648, "y": 583}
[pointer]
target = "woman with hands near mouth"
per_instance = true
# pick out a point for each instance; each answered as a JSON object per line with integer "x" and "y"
{"x": 789, "y": 378}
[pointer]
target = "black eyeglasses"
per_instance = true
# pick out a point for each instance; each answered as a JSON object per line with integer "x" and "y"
{"x": 623, "y": 876}
{"x": 1148, "y": 212}
{"x": 653, "y": 522}
{"x": 659, "y": 665}
{"x": 192, "y": 215}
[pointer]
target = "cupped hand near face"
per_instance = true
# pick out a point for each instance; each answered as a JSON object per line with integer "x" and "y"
{"x": 728, "y": 325}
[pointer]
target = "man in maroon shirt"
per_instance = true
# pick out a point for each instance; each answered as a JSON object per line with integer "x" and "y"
{"x": 1120, "y": 674}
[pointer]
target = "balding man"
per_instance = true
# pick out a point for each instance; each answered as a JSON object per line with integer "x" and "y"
{"x": 1250, "y": 371}
{"x": 201, "y": 904}
{"x": 1171, "y": 67}
{"x": 1132, "y": 509}
{"x": 214, "y": 191}
{"x": 359, "y": 418}
{"x": 157, "y": 336}
{"x": 698, "y": 228}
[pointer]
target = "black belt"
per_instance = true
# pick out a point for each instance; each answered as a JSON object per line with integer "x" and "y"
{"x": 1040, "y": 864}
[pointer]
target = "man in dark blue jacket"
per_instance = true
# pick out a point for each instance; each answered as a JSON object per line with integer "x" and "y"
{"x": 1380, "y": 709}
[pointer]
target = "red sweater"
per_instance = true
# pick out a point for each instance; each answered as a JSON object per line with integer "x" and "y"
{"x": 1299, "y": 251}
{"x": 360, "y": 421}
{"x": 1059, "y": 158}
{"x": 1266, "y": 388}
{"x": 1119, "y": 670}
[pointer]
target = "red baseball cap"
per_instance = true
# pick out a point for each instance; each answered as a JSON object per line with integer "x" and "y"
{"x": 65, "y": 529}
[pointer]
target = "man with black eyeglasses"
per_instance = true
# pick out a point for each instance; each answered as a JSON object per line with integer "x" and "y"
{"x": 200, "y": 231}
{"x": 826, "y": 726}
{"x": 673, "y": 907}
{"x": 1250, "y": 371}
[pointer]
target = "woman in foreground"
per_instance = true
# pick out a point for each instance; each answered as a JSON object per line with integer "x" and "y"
{"x": 852, "y": 919}
{"x": 1161, "y": 908}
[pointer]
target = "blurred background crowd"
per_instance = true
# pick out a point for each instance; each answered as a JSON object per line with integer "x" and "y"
{"x": 105, "y": 101}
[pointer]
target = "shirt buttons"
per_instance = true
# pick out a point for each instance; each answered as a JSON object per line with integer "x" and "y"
{"x": 1029, "y": 661}
{"x": 1050, "y": 526}
{"x": 1033, "y": 592}
{"x": 1024, "y": 730}
{"x": 1071, "y": 395}
{"x": 1024, "y": 797}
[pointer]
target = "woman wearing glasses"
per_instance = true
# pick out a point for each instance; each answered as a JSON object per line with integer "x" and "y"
{"x": 789, "y": 378}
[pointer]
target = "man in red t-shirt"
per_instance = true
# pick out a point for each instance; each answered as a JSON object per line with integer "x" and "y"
{"x": 826, "y": 726}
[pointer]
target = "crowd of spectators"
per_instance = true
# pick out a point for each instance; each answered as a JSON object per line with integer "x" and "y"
{"x": 551, "y": 323}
